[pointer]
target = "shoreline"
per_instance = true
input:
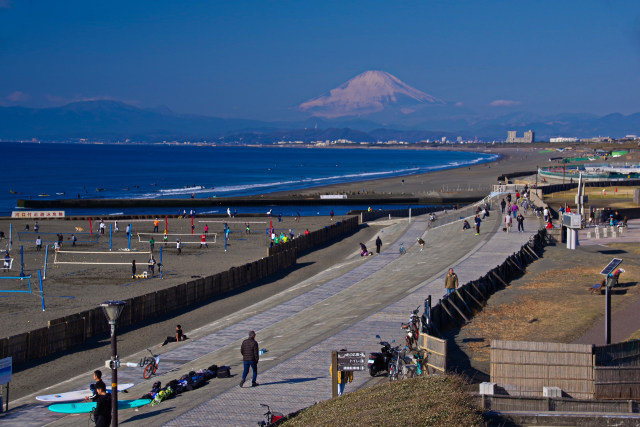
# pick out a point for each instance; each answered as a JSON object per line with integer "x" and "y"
{"x": 445, "y": 186}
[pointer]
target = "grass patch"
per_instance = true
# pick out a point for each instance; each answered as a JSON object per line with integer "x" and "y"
{"x": 550, "y": 303}
{"x": 426, "y": 401}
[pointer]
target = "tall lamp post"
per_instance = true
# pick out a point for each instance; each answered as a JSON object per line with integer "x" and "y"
{"x": 112, "y": 310}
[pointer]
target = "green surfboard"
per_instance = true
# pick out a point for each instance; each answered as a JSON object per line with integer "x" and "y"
{"x": 86, "y": 407}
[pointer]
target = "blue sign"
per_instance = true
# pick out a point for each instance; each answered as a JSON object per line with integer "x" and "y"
{"x": 5, "y": 370}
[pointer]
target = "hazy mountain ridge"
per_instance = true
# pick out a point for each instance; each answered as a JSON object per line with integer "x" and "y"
{"x": 117, "y": 121}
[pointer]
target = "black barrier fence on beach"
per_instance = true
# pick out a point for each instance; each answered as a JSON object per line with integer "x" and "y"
{"x": 71, "y": 331}
{"x": 458, "y": 308}
{"x": 306, "y": 242}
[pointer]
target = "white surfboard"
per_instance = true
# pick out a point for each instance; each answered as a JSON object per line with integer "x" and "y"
{"x": 73, "y": 396}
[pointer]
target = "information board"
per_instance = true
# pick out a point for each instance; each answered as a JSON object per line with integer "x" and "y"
{"x": 352, "y": 361}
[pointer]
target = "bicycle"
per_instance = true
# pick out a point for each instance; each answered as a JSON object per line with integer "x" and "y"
{"x": 150, "y": 365}
{"x": 270, "y": 417}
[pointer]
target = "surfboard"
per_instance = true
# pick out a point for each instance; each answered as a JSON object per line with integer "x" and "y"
{"x": 72, "y": 396}
{"x": 82, "y": 407}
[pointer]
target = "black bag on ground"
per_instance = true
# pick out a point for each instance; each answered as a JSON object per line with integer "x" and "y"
{"x": 224, "y": 372}
{"x": 214, "y": 369}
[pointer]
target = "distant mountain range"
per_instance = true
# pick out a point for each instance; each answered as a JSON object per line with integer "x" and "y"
{"x": 373, "y": 106}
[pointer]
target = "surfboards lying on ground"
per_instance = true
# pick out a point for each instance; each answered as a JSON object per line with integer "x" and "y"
{"x": 86, "y": 407}
{"x": 73, "y": 396}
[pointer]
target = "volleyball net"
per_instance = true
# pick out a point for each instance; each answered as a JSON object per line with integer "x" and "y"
{"x": 7, "y": 263}
{"x": 101, "y": 257}
{"x": 185, "y": 239}
{"x": 31, "y": 236}
{"x": 16, "y": 284}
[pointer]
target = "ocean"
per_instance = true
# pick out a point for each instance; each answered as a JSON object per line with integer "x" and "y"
{"x": 53, "y": 171}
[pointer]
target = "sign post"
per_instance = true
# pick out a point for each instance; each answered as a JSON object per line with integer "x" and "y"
{"x": 344, "y": 361}
{"x": 334, "y": 374}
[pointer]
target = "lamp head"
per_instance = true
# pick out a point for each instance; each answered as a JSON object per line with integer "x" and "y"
{"x": 112, "y": 309}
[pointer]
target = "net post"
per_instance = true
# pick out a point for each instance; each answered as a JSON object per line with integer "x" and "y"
{"x": 10, "y": 237}
{"x": 90, "y": 227}
{"x": 130, "y": 232}
{"x": 21, "y": 261}
{"x": 41, "y": 291}
{"x": 46, "y": 257}
{"x": 110, "y": 236}
{"x": 161, "y": 268}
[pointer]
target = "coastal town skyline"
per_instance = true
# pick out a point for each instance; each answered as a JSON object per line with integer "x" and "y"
{"x": 262, "y": 60}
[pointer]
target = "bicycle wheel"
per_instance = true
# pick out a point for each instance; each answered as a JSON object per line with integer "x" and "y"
{"x": 149, "y": 370}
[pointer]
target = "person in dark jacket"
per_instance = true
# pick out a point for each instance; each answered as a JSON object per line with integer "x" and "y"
{"x": 250, "y": 357}
{"x": 102, "y": 413}
{"x": 378, "y": 244}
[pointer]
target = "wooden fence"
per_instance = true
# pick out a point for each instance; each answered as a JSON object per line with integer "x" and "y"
{"x": 435, "y": 353}
{"x": 70, "y": 331}
{"x": 523, "y": 368}
{"x": 316, "y": 238}
{"x": 459, "y": 307}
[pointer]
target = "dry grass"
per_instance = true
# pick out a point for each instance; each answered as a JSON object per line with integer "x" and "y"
{"x": 426, "y": 401}
{"x": 554, "y": 305}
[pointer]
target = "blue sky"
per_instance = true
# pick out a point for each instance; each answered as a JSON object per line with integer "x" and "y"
{"x": 259, "y": 59}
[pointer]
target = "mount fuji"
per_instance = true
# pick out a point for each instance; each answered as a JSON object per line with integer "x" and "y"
{"x": 369, "y": 93}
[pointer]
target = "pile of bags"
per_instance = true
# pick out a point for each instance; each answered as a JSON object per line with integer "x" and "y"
{"x": 187, "y": 382}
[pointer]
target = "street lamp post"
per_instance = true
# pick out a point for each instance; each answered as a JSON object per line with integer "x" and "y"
{"x": 112, "y": 310}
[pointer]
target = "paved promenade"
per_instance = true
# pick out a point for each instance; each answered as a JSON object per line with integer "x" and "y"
{"x": 343, "y": 307}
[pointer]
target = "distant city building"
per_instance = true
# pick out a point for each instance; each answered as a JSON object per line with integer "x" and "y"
{"x": 459, "y": 139}
{"x": 512, "y": 136}
{"x": 563, "y": 139}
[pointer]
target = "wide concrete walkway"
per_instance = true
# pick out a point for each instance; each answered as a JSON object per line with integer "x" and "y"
{"x": 343, "y": 307}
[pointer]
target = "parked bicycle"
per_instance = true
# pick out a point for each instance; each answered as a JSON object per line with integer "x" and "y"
{"x": 270, "y": 417}
{"x": 150, "y": 365}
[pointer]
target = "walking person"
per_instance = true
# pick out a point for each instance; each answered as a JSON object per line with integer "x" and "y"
{"x": 203, "y": 241}
{"x": 133, "y": 269}
{"x": 127, "y": 230}
{"x": 520, "y": 220}
{"x": 378, "y": 244}
{"x": 152, "y": 265}
{"x": 115, "y": 226}
{"x": 156, "y": 223}
{"x": 545, "y": 213}
{"x": 421, "y": 243}
{"x": 206, "y": 229}
{"x": 250, "y": 356}
{"x": 451, "y": 282}
{"x": 247, "y": 228}
{"x": 102, "y": 227}
{"x": 165, "y": 238}
{"x": 179, "y": 246}
{"x": 152, "y": 243}
{"x": 478, "y": 222}
{"x": 38, "y": 243}
{"x": 507, "y": 223}
{"x": 36, "y": 227}
{"x": 74, "y": 239}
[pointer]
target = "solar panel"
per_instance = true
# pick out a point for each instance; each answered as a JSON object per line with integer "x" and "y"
{"x": 611, "y": 266}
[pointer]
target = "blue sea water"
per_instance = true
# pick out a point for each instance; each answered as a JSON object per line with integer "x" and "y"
{"x": 170, "y": 171}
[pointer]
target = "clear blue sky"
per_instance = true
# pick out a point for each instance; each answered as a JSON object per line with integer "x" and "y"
{"x": 258, "y": 59}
